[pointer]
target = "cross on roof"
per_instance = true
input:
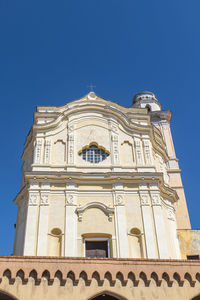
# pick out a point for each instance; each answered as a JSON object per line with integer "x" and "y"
{"x": 91, "y": 87}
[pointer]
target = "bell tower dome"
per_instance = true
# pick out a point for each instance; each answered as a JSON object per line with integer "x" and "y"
{"x": 146, "y": 100}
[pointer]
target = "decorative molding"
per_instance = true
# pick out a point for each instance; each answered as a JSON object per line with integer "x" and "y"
{"x": 71, "y": 144}
{"x": 47, "y": 151}
{"x": 155, "y": 198}
{"x": 171, "y": 214}
{"x": 70, "y": 199}
{"x": 138, "y": 151}
{"x": 38, "y": 151}
{"x": 107, "y": 210}
{"x": 147, "y": 152}
{"x": 144, "y": 199}
{"x": 33, "y": 199}
{"x": 44, "y": 199}
{"x": 119, "y": 200}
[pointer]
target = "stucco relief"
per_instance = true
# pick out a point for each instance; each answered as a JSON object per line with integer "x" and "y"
{"x": 47, "y": 151}
{"x": 147, "y": 152}
{"x": 144, "y": 199}
{"x": 71, "y": 144}
{"x": 155, "y": 198}
{"x": 114, "y": 142}
{"x": 38, "y": 150}
{"x": 119, "y": 200}
{"x": 44, "y": 199}
{"x": 138, "y": 151}
{"x": 171, "y": 214}
{"x": 33, "y": 199}
{"x": 70, "y": 199}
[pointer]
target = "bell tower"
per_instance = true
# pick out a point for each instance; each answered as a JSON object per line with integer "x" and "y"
{"x": 161, "y": 120}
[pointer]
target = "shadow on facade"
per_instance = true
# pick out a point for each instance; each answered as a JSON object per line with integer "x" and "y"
{"x": 107, "y": 296}
{"x": 5, "y": 296}
{"x": 196, "y": 298}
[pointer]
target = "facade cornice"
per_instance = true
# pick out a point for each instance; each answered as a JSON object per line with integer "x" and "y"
{"x": 100, "y": 178}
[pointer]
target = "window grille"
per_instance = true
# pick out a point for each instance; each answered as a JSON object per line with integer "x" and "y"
{"x": 93, "y": 154}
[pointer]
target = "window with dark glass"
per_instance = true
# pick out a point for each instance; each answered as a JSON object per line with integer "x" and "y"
{"x": 96, "y": 248}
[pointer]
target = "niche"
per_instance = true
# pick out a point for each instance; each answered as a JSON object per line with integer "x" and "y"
{"x": 127, "y": 153}
{"x": 55, "y": 242}
{"x": 59, "y": 152}
{"x": 135, "y": 243}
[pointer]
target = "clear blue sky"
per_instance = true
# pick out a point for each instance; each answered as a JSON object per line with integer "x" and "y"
{"x": 50, "y": 51}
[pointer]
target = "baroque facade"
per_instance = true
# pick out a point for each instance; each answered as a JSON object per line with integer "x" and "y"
{"x": 102, "y": 195}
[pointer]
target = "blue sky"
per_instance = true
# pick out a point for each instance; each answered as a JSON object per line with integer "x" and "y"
{"x": 50, "y": 51}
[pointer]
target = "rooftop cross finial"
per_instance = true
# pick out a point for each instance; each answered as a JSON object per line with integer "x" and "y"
{"x": 91, "y": 87}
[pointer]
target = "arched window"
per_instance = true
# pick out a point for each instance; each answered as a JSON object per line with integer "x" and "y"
{"x": 93, "y": 153}
{"x": 148, "y": 107}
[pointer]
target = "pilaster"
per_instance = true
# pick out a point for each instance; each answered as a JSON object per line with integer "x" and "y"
{"x": 31, "y": 220}
{"x": 70, "y": 220}
{"x": 120, "y": 221}
{"x": 149, "y": 232}
{"x": 43, "y": 219}
{"x": 159, "y": 221}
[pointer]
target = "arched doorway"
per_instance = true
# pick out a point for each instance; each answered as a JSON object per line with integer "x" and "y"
{"x": 104, "y": 297}
{"x": 4, "y": 296}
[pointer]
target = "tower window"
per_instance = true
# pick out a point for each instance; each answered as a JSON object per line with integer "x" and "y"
{"x": 94, "y": 154}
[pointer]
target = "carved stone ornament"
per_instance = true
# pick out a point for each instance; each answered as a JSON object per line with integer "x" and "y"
{"x": 155, "y": 199}
{"x": 32, "y": 199}
{"x": 44, "y": 200}
{"x": 47, "y": 151}
{"x": 70, "y": 200}
{"x": 70, "y": 128}
{"x": 147, "y": 153}
{"x": 138, "y": 151}
{"x": 38, "y": 149}
{"x": 144, "y": 199}
{"x": 119, "y": 200}
{"x": 107, "y": 210}
{"x": 170, "y": 214}
{"x": 114, "y": 128}
{"x": 71, "y": 144}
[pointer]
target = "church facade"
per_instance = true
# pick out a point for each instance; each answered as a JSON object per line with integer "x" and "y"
{"x": 102, "y": 211}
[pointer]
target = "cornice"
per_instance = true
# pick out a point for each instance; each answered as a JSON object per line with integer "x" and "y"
{"x": 101, "y": 178}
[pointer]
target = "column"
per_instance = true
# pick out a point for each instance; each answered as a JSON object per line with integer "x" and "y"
{"x": 31, "y": 220}
{"x": 43, "y": 219}
{"x": 70, "y": 220}
{"x": 149, "y": 233}
{"x": 120, "y": 221}
{"x": 159, "y": 221}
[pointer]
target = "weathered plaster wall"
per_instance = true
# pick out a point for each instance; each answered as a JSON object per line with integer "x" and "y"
{"x": 189, "y": 240}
